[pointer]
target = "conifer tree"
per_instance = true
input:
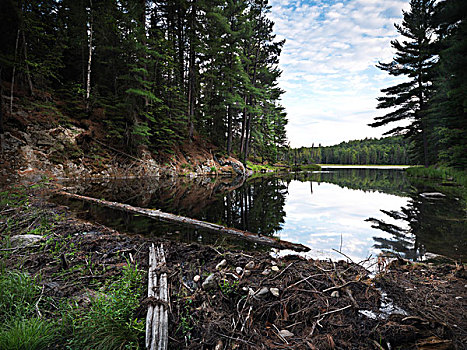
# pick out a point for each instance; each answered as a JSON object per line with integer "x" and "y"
{"x": 414, "y": 59}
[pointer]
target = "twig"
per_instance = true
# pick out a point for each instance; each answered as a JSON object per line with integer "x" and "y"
{"x": 379, "y": 347}
{"x": 280, "y": 273}
{"x": 334, "y": 311}
{"x": 339, "y": 287}
{"x": 38, "y": 301}
{"x": 344, "y": 255}
{"x": 279, "y": 334}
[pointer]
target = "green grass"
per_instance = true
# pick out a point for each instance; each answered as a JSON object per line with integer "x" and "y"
{"x": 18, "y": 295}
{"x": 28, "y": 334}
{"x": 111, "y": 322}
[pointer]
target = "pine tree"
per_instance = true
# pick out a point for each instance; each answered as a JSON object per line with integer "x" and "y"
{"x": 449, "y": 104}
{"x": 414, "y": 59}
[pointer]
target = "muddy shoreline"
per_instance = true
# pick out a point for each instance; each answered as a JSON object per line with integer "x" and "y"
{"x": 280, "y": 303}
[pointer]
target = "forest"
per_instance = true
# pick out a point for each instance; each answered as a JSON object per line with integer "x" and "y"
{"x": 383, "y": 151}
{"x": 155, "y": 73}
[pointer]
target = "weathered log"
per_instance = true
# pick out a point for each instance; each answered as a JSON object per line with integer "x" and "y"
{"x": 157, "y": 320}
{"x": 185, "y": 221}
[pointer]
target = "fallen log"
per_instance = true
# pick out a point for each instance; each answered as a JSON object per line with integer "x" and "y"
{"x": 185, "y": 221}
{"x": 157, "y": 320}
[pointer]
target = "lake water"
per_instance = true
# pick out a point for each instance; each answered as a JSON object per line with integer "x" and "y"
{"x": 360, "y": 212}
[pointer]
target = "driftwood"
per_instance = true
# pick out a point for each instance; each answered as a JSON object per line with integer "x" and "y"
{"x": 157, "y": 320}
{"x": 185, "y": 221}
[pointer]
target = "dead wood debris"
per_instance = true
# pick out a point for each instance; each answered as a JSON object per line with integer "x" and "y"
{"x": 287, "y": 303}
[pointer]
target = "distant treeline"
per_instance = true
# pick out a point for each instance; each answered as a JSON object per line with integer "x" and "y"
{"x": 384, "y": 151}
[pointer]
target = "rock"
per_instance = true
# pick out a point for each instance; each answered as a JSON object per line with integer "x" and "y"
{"x": 250, "y": 265}
{"x": 335, "y": 294}
{"x": 196, "y": 278}
{"x": 210, "y": 282}
{"x": 285, "y": 333}
{"x": 273, "y": 262}
{"x": 238, "y": 270}
{"x": 24, "y": 240}
{"x": 247, "y": 273}
{"x": 274, "y": 291}
{"x": 275, "y": 268}
{"x": 266, "y": 272}
{"x": 221, "y": 265}
{"x": 262, "y": 291}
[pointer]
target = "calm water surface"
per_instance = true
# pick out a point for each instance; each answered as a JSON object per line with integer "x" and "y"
{"x": 360, "y": 212}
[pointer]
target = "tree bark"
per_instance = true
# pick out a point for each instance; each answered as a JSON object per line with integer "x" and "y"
{"x": 1, "y": 104}
{"x": 88, "y": 75}
{"x": 191, "y": 73}
{"x": 28, "y": 73}
{"x": 13, "y": 73}
{"x": 185, "y": 221}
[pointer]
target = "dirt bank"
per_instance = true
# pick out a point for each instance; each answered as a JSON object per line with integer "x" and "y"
{"x": 257, "y": 301}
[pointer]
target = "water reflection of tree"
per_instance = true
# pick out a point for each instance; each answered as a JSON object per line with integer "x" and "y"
{"x": 431, "y": 225}
{"x": 389, "y": 181}
{"x": 257, "y": 207}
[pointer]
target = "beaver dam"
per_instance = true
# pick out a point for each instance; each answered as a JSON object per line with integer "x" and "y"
{"x": 225, "y": 294}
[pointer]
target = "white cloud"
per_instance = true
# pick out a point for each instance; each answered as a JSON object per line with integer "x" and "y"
{"x": 328, "y": 64}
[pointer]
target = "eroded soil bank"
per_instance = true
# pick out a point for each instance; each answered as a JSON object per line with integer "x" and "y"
{"x": 257, "y": 301}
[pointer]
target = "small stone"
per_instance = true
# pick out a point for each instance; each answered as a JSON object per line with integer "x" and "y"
{"x": 274, "y": 291}
{"x": 266, "y": 272}
{"x": 262, "y": 291}
{"x": 196, "y": 278}
{"x": 246, "y": 273}
{"x": 221, "y": 265}
{"x": 250, "y": 265}
{"x": 251, "y": 292}
{"x": 238, "y": 270}
{"x": 285, "y": 333}
{"x": 210, "y": 282}
{"x": 273, "y": 262}
{"x": 275, "y": 268}
{"x": 335, "y": 294}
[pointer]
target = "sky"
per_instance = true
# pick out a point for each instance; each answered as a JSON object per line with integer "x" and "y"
{"x": 328, "y": 64}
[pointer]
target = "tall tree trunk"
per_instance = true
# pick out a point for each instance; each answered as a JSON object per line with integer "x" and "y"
{"x": 14, "y": 73}
{"x": 88, "y": 76}
{"x": 28, "y": 74}
{"x": 191, "y": 73}
{"x": 1, "y": 104}
{"x": 229, "y": 130}
{"x": 143, "y": 42}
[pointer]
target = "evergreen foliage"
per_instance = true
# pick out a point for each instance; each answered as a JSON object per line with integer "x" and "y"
{"x": 385, "y": 151}
{"x": 433, "y": 100}
{"x": 154, "y": 72}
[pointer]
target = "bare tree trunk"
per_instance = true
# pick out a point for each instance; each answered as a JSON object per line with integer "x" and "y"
{"x": 14, "y": 73}
{"x": 1, "y": 104}
{"x": 229, "y": 130}
{"x": 189, "y": 222}
{"x": 88, "y": 78}
{"x": 28, "y": 73}
{"x": 157, "y": 320}
{"x": 191, "y": 73}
